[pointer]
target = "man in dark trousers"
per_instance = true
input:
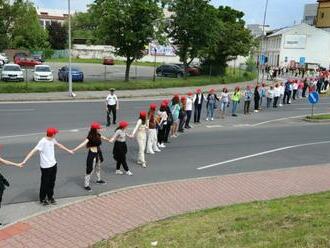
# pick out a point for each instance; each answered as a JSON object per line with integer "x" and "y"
{"x": 112, "y": 107}
{"x": 198, "y": 103}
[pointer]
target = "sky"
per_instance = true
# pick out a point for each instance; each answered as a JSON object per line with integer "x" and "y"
{"x": 281, "y": 13}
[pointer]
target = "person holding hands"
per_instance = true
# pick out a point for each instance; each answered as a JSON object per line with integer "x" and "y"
{"x": 48, "y": 165}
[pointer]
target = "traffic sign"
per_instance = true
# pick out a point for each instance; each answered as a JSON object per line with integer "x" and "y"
{"x": 313, "y": 98}
{"x": 302, "y": 60}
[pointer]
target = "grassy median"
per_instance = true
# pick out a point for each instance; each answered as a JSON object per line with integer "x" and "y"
{"x": 319, "y": 117}
{"x": 30, "y": 87}
{"x": 302, "y": 221}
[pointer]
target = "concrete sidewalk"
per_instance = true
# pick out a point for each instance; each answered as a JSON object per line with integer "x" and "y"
{"x": 84, "y": 223}
{"x": 86, "y": 95}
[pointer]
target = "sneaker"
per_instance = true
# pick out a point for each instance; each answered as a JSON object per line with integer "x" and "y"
{"x": 144, "y": 165}
{"x": 158, "y": 150}
{"x": 129, "y": 173}
{"x": 52, "y": 201}
{"x": 151, "y": 152}
{"x": 101, "y": 182}
{"x": 162, "y": 146}
{"x": 207, "y": 119}
{"x": 44, "y": 203}
{"x": 119, "y": 172}
{"x": 256, "y": 111}
{"x": 212, "y": 119}
{"x": 139, "y": 162}
{"x": 88, "y": 188}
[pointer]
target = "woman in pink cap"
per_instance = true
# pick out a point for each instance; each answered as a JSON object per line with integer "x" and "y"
{"x": 48, "y": 165}
{"x": 93, "y": 143}
{"x": 211, "y": 100}
{"x": 152, "y": 146}
{"x": 120, "y": 148}
{"x": 140, "y": 132}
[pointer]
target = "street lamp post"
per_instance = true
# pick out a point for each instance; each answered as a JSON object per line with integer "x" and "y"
{"x": 262, "y": 43}
{"x": 155, "y": 61}
{"x": 70, "y": 48}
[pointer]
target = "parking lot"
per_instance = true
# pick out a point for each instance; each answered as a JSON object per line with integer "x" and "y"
{"x": 99, "y": 72}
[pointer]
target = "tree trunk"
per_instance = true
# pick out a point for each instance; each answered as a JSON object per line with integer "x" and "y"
{"x": 128, "y": 68}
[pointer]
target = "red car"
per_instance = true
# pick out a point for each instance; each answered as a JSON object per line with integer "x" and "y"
{"x": 108, "y": 61}
{"x": 25, "y": 61}
{"x": 191, "y": 70}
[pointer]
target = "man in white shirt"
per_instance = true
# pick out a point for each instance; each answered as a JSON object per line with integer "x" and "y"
{"x": 112, "y": 107}
{"x": 48, "y": 165}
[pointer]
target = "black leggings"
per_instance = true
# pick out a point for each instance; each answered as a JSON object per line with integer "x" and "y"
{"x": 48, "y": 178}
{"x": 90, "y": 160}
{"x": 122, "y": 161}
{"x": 161, "y": 135}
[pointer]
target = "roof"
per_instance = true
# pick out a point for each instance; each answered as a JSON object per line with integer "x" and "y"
{"x": 287, "y": 29}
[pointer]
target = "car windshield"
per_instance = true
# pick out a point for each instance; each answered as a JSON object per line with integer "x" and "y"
{"x": 43, "y": 69}
{"x": 75, "y": 69}
{"x": 11, "y": 68}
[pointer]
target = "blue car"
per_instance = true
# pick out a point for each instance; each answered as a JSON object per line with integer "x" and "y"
{"x": 77, "y": 74}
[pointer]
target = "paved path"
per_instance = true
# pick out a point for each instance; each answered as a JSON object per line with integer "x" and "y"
{"x": 84, "y": 223}
{"x": 84, "y": 95}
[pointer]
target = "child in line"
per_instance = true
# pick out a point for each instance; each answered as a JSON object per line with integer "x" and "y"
{"x": 247, "y": 99}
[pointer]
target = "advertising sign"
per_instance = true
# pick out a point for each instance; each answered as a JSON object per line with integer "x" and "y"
{"x": 161, "y": 50}
{"x": 295, "y": 41}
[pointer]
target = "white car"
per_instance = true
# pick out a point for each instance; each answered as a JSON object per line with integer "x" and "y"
{"x": 12, "y": 72}
{"x": 3, "y": 59}
{"x": 43, "y": 73}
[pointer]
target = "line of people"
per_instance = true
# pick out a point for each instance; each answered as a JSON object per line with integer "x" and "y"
{"x": 154, "y": 128}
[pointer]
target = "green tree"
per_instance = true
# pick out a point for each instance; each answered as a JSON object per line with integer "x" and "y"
{"x": 4, "y": 24}
{"x": 57, "y": 36}
{"x": 83, "y": 27}
{"x": 193, "y": 27}
{"x": 127, "y": 25}
{"x": 25, "y": 30}
{"x": 233, "y": 40}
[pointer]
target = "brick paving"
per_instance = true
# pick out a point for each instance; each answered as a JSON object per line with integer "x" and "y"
{"x": 83, "y": 224}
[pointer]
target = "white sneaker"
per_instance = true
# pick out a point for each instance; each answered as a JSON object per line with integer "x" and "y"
{"x": 119, "y": 172}
{"x": 151, "y": 152}
{"x": 128, "y": 173}
{"x": 157, "y": 150}
{"x": 162, "y": 146}
{"x": 256, "y": 111}
{"x": 207, "y": 119}
{"x": 139, "y": 162}
{"x": 212, "y": 119}
{"x": 144, "y": 165}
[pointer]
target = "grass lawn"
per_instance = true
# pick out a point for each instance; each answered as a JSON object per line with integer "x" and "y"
{"x": 302, "y": 221}
{"x": 14, "y": 87}
{"x": 319, "y": 117}
{"x": 99, "y": 61}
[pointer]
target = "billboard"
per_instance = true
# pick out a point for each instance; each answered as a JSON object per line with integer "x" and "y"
{"x": 161, "y": 50}
{"x": 295, "y": 41}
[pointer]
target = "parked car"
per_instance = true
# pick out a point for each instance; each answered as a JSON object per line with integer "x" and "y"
{"x": 38, "y": 57}
{"x": 77, "y": 74}
{"x": 43, "y": 73}
{"x": 12, "y": 72}
{"x": 170, "y": 70}
{"x": 190, "y": 70}
{"x": 3, "y": 59}
{"x": 24, "y": 61}
{"x": 108, "y": 61}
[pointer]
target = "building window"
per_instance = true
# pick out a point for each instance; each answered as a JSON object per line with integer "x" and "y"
{"x": 322, "y": 15}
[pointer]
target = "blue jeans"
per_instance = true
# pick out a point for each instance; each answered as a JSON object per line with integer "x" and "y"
{"x": 210, "y": 110}
{"x": 234, "y": 109}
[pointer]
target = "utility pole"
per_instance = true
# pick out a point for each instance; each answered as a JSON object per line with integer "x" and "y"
{"x": 262, "y": 44}
{"x": 70, "y": 48}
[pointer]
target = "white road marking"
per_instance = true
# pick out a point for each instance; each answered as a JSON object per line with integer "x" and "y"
{"x": 262, "y": 153}
{"x": 242, "y": 125}
{"x": 16, "y": 110}
{"x": 214, "y": 126}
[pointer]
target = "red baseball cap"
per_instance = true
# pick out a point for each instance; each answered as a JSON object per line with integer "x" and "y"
{"x": 123, "y": 124}
{"x": 163, "y": 105}
{"x": 190, "y": 94}
{"x": 96, "y": 125}
{"x": 183, "y": 98}
{"x": 51, "y": 131}
{"x": 153, "y": 106}
{"x": 166, "y": 102}
{"x": 143, "y": 114}
{"x": 198, "y": 90}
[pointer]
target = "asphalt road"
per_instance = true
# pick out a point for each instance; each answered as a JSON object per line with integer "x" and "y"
{"x": 99, "y": 72}
{"x": 21, "y": 126}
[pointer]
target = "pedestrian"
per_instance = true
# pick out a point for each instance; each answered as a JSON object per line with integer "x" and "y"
{"x": 198, "y": 104}
{"x": 256, "y": 98}
{"x": 94, "y": 159}
{"x": 3, "y": 181}
{"x": 48, "y": 165}
{"x": 287, "y": 92}
{"x": 152, "y": 131}
{"x": 247, "y": 99}
{"x": 300, "y": 89}
{"x": 211, "y": 104}
{"x": 270, "y": 96}
{"x": 282, "y": 91}
{"x": 277, "y": 94}
{"x": 112, "y": 107}
{"x": 262, "y": 94}
{"x": 120, "y": 148}
{"x": 189, "y": 106}
{"x": 140, "y": 132}
{"x": 182, "y": 114}
{"x": 175, "y": 110}
{"x": 224, "y": 102}
{"x": 163, "y": 119}
{"x": 236, "y": 98}
{"x": 295, "y": 86}
{"x": 169, "y": 122}
{"x": 306, "y": 83}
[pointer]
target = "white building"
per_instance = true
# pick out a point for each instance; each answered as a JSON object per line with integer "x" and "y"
{"x": 299, "y": 43}
{"x": 48, "y": 16}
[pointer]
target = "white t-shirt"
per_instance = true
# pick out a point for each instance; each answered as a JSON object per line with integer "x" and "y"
{"x": 47, "y": 152}
{"x": 189, "y": 104}
{"x": 277, "y": 92}
{"x": 112, "y": 99}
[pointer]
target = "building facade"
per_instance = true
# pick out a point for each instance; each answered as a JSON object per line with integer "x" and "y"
{"x": 297, "y": 44}
{"x": 323, "y": 14}
{"x": 310, "y": 14}
{"x": 47, "y": 16}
